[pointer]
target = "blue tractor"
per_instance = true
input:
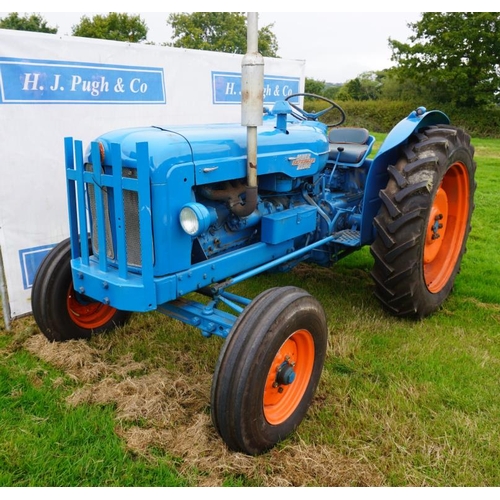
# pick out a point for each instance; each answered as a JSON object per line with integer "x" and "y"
{"x": 160, "y": 212}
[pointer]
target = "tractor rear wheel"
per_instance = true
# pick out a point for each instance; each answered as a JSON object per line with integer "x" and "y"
{"x": 424, "y": 221}
{"x": 268, "y": 369}
{"x": 60, "y": 312}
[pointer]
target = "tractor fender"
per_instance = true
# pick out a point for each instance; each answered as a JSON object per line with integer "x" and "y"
{"x": 417, "y": 119}
{"x": 388, "y": 154}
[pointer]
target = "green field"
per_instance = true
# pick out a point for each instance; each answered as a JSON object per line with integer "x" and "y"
{"x": 400, "y": 403}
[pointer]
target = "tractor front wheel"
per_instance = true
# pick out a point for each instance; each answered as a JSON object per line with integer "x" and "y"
{"x": 268, "y": 369}
{"x": 424, "y": 222}
{"x": 62, "y": 313}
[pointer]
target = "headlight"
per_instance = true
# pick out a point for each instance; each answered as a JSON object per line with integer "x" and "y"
{"x": 196, "y": 218}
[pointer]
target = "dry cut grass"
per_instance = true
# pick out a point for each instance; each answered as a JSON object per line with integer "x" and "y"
{"x": 168, "y": 411}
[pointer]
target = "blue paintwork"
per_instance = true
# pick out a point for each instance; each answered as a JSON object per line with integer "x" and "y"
{"x": 386, "y": 155}
{"x": 416, "y": 120}
{"x": 308, "y": 209}
{"x": 288, "y": 224}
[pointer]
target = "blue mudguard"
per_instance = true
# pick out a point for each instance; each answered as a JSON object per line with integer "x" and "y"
{"x": 388, "y": 154}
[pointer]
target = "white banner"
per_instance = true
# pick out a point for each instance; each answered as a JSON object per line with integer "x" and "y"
{"x": 52, "y": 87}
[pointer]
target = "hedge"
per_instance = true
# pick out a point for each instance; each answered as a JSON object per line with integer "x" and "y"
{"x": 381, "y": 116}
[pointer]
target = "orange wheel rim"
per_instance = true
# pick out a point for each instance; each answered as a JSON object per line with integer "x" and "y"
{"x": 446, "y": 228}
{"x": 288, "y": 377}
{"x": 87, "y": 313}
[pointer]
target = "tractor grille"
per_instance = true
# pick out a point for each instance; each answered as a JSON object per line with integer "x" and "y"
{"x": 132, "y": 225}
{"x": 132, "y": 228}
{"x": 95, "y": 225}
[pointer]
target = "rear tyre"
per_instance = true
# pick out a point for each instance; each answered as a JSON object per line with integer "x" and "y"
{"x": 424, "y": 222}
{"x": 268, "y": 369}
{"x": 60, "y": 312}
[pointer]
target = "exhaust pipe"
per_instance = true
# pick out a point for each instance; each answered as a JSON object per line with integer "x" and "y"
{"x": 252, "y": 90}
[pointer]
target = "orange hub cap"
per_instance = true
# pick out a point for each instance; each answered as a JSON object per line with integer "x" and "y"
{"x": 87, "y": 313}
{"x": 288, "y": 377}
{"x": 446, "y": 228}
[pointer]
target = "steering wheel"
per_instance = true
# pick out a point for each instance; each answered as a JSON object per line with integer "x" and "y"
{"x": 303, "y": 115}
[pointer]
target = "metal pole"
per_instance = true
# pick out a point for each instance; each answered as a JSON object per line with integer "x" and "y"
{"x": 3, "y": 292}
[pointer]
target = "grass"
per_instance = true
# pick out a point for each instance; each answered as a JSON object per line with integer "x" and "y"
{"x": 400, "y": 403}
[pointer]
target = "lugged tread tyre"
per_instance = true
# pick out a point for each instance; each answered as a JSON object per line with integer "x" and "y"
{"x": 424, "y": 221}
{"x": 60, "y": 313}
{"x": 268, "y": 369}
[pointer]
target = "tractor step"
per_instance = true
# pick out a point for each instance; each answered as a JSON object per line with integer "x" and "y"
{"x": 347, "y": 237}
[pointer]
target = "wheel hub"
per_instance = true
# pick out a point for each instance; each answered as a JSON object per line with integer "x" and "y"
{"x": 86, "y": 313}
{"x": 285, "y": 375}
{"x": 288, "y": 376}
{"x": 437, "y": 226}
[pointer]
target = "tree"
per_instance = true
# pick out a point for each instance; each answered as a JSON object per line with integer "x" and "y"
{"x": 218, "y": 31}
{"x": 331, "y": 90}
{"x": 395, "y": 89}
{"x": 29, "y": 22}
{"x": 365, "y": 87}
{"x": 456, "y": 55}
{"x": 313, "y": 86}
{"x": 351, "y": 91}
{"x": 114, "y": 26}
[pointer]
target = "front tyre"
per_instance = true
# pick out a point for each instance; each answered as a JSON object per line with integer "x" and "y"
{"x": 424, "y": 222}
{"x": 60, "y": 312}
{"x": 268, "y": 369}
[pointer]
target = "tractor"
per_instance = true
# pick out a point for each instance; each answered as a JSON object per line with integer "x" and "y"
{"x": 161, "y": 214}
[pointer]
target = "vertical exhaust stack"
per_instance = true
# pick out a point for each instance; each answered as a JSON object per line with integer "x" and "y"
{"x": 252, "y": 90}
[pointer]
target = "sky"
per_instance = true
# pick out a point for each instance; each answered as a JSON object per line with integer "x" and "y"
{"x": 336, "y": 46}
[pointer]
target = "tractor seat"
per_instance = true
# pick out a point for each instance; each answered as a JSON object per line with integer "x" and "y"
{"x": 349, "y": 146}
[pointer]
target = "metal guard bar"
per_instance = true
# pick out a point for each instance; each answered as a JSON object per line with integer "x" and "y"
{"x": 78, "y": 209}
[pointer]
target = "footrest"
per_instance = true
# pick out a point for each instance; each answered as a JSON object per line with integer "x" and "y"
{"x": 347, "y": 237}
